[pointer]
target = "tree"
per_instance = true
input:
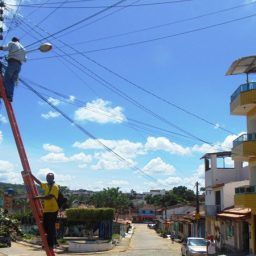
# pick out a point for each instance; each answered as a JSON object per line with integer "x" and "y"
{"x": 184, "y": 194}
{"x": 111, "y": 198}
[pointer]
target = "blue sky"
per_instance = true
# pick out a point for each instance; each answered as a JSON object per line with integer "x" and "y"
{"x": 150, "y": 97}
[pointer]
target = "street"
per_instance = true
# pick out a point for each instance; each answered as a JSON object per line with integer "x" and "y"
{"x": 145, "y": 241}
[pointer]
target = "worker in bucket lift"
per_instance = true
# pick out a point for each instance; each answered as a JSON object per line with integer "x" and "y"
{"x": 16, "y": 56}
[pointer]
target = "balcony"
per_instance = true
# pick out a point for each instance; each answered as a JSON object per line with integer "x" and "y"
{"x": 244, "y": 147}
{"x": 243, "y": 100}
{"x": 245, "y": 197}
{"x": 212, "y": 210}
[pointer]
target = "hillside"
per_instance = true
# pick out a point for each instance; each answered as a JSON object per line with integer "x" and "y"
{"x": 19, "y": 189}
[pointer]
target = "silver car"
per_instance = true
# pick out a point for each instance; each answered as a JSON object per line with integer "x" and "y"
{"x": 194, "y": 246}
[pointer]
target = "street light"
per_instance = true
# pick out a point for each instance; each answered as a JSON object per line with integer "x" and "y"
{"x": 45, "y": 47}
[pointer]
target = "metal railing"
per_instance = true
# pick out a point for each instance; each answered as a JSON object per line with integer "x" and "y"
{"x": 243, "y": 88}
{"x": 245, "y": 190}
{"x": 244, "y": 137}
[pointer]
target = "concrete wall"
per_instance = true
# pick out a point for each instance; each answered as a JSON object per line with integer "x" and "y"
{"x": 228, "y": 192}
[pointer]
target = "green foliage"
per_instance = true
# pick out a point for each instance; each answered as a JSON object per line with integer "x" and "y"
{"x": 116, "y": 236}
{"x": 25, "y": 218}
{"x": 19, "y": 189}
{"x": 8, "y": 225}
{"x": 179, "y": 194}
{"x": 62, "y": 241}
{"x": 93, "y": 215}
{"x": 112, "y": 198}
{"x": 182, "y": 192}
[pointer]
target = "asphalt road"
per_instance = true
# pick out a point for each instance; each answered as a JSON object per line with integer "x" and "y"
{"x": 144, "y": 241}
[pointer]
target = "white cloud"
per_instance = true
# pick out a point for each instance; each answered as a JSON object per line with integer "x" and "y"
{"x": 55, "y": 157}
{"x": 62, "y": 158}
{"x": 71, "y": 98}
{"x": 81, "y": 157}
{"x": 109, "y": 161}
{"x": 50, "y": 114}
{"x": 125, "y": 148}
{"x": 171, "y": 181}
{"x": 41, "y": 174}
{"x": 8, "y": 174}
{"x": 53, "y": 101}
{"x": 1, "y": 136}
{"x": 100, "y": 111}
{"x": 116, "y": 183}
{"x": 162, "y": 143}
{"x": 60, "y": 179}
{"x": 52, "y": 148}
{"x": 157, "y": 165}
{"x": 6, "y": 166}
{"x": 3, "y": 119}
{"x": 226, "y": 145}
{"x": 216, "y": 126}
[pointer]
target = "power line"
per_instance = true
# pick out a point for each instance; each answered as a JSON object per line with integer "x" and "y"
{"x": 13, "y": 18}
{"x": 106, "y": 6}
{"x": 157, "y": 96}
{"x": 150, "y": 40}
{"x": 96, "y": 20}
{"x": 165, "y": 24}
{"x": 89, "y": 134}
{"x": 79, "y": 22}
{"x": 170, "y": 36}
{"x": 64, "y": 98}
{"x": 130, "y": 99}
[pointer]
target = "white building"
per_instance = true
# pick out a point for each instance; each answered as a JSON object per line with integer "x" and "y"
{"x": 222, "y": 220}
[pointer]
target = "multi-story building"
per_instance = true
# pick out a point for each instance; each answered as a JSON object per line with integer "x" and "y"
{"x": 243, "y": 103}
{"x": 222, "y": 176}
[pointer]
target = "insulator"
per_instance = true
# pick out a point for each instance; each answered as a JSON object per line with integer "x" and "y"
{"x": 1, "y": 30}
{"x": 2, "y": 5}
{"x": 1, "y": 18}
{"x": 1, "y": 11}
{"x": 1, "y": 37}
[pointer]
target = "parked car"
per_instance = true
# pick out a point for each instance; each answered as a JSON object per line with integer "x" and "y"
{"x": 152, "y": 225}
{"x": 194, "y": 246}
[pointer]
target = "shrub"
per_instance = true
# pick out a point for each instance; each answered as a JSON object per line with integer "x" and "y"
{"x": 92, "y": 215}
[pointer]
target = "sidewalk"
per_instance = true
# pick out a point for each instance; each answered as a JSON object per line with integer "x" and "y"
{"x": 121, "y": 246}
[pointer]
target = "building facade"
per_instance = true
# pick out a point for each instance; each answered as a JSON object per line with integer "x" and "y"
{"x": 243, "y": 103}
{"x": 222, "y": 176}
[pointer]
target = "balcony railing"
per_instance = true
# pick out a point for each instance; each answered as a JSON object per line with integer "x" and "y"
{"x": 243, "y": 88}
{"x": 244, "y": 137}
{"x": 245, "y": 190}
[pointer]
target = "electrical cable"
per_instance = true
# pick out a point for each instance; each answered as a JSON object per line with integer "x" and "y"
{"x": 80, "y": 103}
{"x": 127, "y": 97}
{"x": 151, "y": 40}
{"x": 163, "y": 25}
{"x": 13, "y": 18}
{"x": 90, "y": 135}
{"x": 79, "y": 22}
{"x": 96, "y": 20}
{"x": 105, "y": 6}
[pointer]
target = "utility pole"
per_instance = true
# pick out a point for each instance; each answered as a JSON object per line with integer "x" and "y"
{"x": 197, "y": 216}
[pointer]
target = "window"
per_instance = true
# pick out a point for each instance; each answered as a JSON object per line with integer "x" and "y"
{"x": 225, "y": 162}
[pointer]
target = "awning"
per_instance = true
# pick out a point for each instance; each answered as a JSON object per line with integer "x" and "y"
{"x": 244, "y": 65}
{"x": 238, "y": 210}
{"x": 231, "y": 216}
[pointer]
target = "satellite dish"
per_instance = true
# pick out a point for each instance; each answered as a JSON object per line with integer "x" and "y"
{"x": 46, "y": 47}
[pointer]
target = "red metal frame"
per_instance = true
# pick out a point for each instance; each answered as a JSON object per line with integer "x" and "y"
{"x": 32, "y": 191}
